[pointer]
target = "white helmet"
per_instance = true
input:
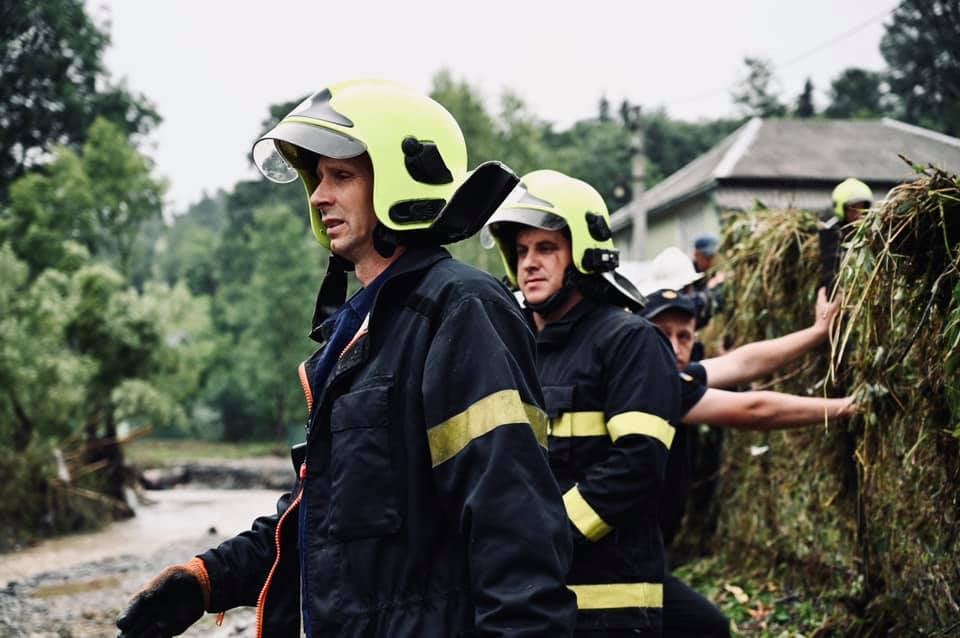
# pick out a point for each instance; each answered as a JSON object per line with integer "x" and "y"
{"x": 670, "y": 269}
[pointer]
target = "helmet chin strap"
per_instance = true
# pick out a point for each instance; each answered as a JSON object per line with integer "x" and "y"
{"x": 385, "y": 241}
{"x": 332, "y": 294}
{"x": 555, "y": 301}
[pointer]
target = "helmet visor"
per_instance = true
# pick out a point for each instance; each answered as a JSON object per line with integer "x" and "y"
{"x": 279, "y": 153}
{"x": 519, "y": 215}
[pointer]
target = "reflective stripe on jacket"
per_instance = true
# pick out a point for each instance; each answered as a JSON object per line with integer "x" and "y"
{"x": 431, "y": 510}
{"x": 611, "y": 390}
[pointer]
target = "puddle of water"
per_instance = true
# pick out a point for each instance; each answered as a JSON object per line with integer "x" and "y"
{"x": 76, "y": 587}
{"x": 174, "y": 515}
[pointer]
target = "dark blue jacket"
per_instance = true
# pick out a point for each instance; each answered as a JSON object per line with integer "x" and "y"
{"x": 431, "y": 510}
{"x": 611, "y": 389}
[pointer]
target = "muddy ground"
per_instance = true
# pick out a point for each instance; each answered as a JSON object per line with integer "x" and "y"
{"x": 74, "y": 587}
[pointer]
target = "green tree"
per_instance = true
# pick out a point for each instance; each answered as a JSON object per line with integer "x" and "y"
{"x": 756, "y": 93}
{"x": 804, "y": 106}
{"x": 35, "y": 223}
{"x": 253, "y": 377}
{"x": 598, "y": 152}
{"x": 43, "y": 382}
{"x": 671, "y": 144}
{"x": 100, "y": 198}
{"x": 520, "y": 136}
{"x": 856, "y": 93}
{"x": 53, "y": 84}
{"x": 466, "y": 105}
{"x": 920, "y": 47}
{"x": 124, "y": 192}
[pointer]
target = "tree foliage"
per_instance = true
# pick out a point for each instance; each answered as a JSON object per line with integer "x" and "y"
{"x": 53, "y": 84}
{"x": 805, "y": 106}
{"x": 920, "y": 48}
{"x": 856, "y": 93}
{"x": 757, "y": 94}
{"x": 99, "y": 198}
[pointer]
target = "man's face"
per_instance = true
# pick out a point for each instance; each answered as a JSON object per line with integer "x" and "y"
{"x": 701, "y": 261}
{"x": 855, "y": 210}
{"x": 542, "y": 258}
{"x": 680, "y": 329}
{"x": 344, "y": 199}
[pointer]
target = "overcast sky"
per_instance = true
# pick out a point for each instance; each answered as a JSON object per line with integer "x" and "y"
{"x": 213, "y": 67}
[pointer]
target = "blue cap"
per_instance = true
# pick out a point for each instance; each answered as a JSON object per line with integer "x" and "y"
{"x": 707, "y": 244}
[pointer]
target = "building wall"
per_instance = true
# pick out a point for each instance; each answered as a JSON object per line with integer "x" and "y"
{"x": 623, "y": 240}
{"x": 680, "y": 225}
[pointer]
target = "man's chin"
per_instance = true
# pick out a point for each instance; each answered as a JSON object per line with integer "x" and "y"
{"x": 534, "y": 299}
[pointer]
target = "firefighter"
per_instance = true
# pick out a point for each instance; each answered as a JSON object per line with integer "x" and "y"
{"x": 611, "y": 391}
{"x": 424, "y": 503}
{"x": 687, "y": 613}
{"x": 851, "y": 199}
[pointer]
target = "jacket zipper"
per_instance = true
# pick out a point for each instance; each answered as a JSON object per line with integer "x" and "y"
{"x": 261, "y": 600}
{"x": 305, "y": 382}
{"x": 308, "y": 394}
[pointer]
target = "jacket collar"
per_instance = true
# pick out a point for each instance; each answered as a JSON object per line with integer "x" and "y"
{"x": 411, "y": 261}
{"x": 558, "y": 332}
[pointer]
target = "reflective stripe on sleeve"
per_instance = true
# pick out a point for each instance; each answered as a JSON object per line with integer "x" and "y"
{"x": 641, "y": 423}
{"x": 617, "y": 595}
{"x": 447, "y": 439}
{"x": 583, "y": 516}
{"x": 579, "y": 424}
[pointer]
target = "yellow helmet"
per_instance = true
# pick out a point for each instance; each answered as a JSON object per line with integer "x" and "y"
{"x": 553, "y": 201}
{"x": 416, "y": 148}
{"x": 850, "y": 191}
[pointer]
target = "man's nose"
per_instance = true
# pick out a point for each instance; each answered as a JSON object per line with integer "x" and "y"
{"x": 528, "y": 262}
{"x": 321, "y": 197}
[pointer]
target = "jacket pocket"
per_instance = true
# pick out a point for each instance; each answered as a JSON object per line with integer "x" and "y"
{"x": 363, "y": 501}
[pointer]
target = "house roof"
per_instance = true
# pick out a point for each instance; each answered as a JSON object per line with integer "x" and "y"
{"x": 770, "y": 152}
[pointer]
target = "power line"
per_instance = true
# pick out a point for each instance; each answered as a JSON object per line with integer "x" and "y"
{"x": 820, "y": 47}
{"x": 843, "y": 36}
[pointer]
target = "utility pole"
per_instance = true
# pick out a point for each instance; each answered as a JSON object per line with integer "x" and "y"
{"x": 638, "y": 173}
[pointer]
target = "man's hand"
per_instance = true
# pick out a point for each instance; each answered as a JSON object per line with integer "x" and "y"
{"x": 717, "y": 279}
{"x": 847, "y": 409}
{"x": 168, "y": 604}
{"x": 826, "y": 312}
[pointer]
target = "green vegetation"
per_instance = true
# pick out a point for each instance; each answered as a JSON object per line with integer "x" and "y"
{"x": 766, "y": 603}
{"x": 862, "y": 512}
{"x": 153, "y": 452}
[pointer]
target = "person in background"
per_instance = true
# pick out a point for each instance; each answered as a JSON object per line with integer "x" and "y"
{"x": 687, "y": 613}
{"x": 611, "y": 392}
{"x": 707, "y": 291}
{"x": 851, "y": 199}
{"x": 424, "y": 504}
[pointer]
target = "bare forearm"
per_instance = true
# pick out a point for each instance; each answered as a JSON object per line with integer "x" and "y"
{"x": 762, "y": 358}
{"x": 765, "y": 410}
{"x": 776, "y": 410}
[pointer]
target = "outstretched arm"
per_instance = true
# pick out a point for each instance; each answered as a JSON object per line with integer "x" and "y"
{"x": 761, "y": 358}
{"x": 763, "y": 410}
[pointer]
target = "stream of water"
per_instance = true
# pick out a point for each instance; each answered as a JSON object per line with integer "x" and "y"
{"x": 174, "y": 515}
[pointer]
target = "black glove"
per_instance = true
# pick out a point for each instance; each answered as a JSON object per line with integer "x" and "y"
{"x": 168, "y": 605}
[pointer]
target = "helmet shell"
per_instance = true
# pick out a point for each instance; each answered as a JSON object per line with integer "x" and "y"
{"x": 551, "y": 200}
{"x": 390, "y": 122}
{"x": 671, "y": 269}
{"x": 850, "y": 191}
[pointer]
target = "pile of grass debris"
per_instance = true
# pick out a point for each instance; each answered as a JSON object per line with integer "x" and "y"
{"x": 865, "y": 511}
